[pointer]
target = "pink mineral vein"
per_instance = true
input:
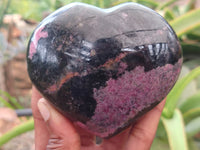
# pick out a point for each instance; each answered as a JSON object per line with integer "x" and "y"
{"x": 140, "y": 90}
{"x": 33, "y": 46}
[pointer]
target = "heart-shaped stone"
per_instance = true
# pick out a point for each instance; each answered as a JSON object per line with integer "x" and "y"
{"x": 104, "y": 68}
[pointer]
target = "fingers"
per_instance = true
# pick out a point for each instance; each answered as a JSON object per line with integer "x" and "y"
{"x": 51, "y": 127}
{"x": 118, "y": 141}
{"x": 63, "y": 134}
{"x": 41, "y": 132}
{"x": 143, "y": 132}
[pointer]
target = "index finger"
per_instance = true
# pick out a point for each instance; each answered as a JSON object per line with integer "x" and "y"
{"x": 41, "y": 131}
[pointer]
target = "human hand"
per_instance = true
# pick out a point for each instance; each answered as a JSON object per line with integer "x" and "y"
{"x": 53, "y": 131}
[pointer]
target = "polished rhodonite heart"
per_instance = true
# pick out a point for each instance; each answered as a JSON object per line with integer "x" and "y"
{"x": 104, "y": 68}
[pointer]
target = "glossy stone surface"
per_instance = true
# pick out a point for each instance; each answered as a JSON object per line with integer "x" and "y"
{"x": 104, "y": 69}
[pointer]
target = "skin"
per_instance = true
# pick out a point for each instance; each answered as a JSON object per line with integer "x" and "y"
{"x": 56, "y": 132}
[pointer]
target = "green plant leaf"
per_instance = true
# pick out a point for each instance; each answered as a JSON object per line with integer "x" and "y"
{"x": 159, "y": 144}
{"x": 190, "y": 103}
{"x": 118, "y": 2}
{"x": 190, "y": 5}
{"x": 176, "y": 131}
{"x": 175, "y": 93}
{"x": 3, "y": 9}
{"x": 191, "y": 29}
{"x": 190, "y": 49}
{"x": 193, "y": 127}
{"x": 191, "y": 114}
{"x": 169, "y": 15}
{"x": 11, "y": 99}
{"x": 176, "y": 10}
{"x": 5, "y": 103}
{"x": 167, "y": 4}
{"x": 161, "y": 133}
{"x": 192, "y": 86}
{"x": 108, "y": 3}
{"x": 196, "y": 30}
{"x": 149, "y": 3}
{"x": 186, "y": 22}
{"x": 14, "y": 101}
{"x": 192, "y": 144}
{"x": 193, "y": 36}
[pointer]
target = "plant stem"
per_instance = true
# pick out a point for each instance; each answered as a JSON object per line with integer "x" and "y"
{"x": 27, "y": 126}
{"x": 176, "y": 131}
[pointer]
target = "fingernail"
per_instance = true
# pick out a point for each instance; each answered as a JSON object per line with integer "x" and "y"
{"x": 44, "y": 111}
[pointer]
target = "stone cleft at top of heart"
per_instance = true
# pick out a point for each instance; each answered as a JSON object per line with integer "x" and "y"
{"x": 104, "y": 68}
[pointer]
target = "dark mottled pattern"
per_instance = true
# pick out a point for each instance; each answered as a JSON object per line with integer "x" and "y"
{"x": 77, "y": 52}
{"x": 116, "y": 105}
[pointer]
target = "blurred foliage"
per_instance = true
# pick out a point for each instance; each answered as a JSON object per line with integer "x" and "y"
{"x": 4, "y": 5}
{"x": 7, "y": 100}
{"x": 180, "y": 121}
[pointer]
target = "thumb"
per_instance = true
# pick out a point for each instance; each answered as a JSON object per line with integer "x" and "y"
{"x": 63, "y": 134}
